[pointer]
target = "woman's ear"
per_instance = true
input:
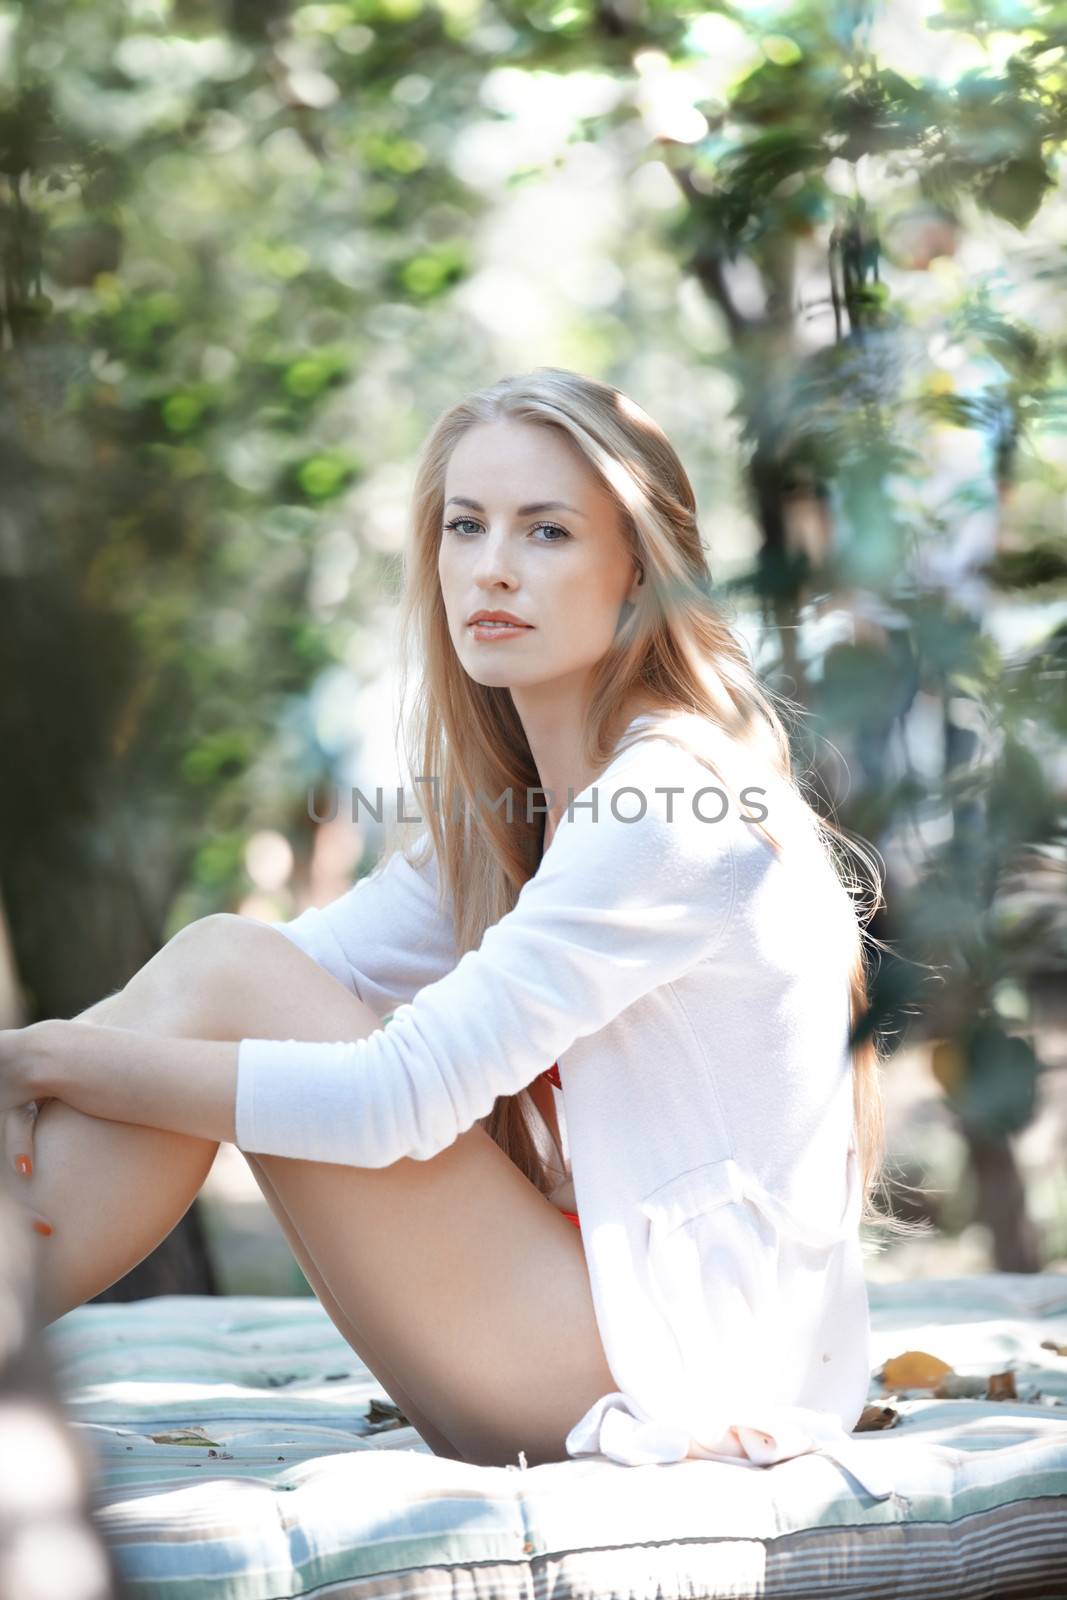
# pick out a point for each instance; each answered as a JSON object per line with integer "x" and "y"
{"x": 626, "y": 609}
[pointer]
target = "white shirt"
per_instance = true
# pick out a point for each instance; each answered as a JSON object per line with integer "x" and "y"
{"x": 693, "y": 987}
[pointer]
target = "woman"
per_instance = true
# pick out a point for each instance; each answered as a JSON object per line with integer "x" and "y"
{"x": 675, "y": 948}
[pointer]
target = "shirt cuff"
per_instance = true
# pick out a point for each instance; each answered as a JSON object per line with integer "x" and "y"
{"x": 264, "y": 1077}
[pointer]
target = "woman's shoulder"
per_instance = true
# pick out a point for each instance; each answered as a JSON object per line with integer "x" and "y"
{"x": 685, "y": 749}
{"x": 656, "y": 811}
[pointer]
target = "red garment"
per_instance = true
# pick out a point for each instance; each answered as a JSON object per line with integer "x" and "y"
{"x": 552, "y": 1074}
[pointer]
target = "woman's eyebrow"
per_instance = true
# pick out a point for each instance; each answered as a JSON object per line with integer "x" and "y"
{"x": 522, "y": 511}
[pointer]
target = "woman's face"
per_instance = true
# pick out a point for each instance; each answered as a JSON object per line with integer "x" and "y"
{"x": 529, "y": 530}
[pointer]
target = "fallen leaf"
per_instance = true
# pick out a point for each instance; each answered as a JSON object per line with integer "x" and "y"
{"x": 961, "y": 1386}
{"x": 191, "y": 1435}
{"x": 873, "y": 1418}
{"x": 1002, "y": 1386}
{"x": 915, "y": 1369}
{"x": 384, "y": 1414}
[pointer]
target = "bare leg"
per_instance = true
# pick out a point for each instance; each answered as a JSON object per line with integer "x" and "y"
{"x": 438, "y": 1443}
{"x": 457, "y": 1266}
{"x": 136, "y": 1182}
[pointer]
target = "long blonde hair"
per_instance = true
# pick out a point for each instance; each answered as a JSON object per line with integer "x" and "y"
{"x": 675, "y": 650}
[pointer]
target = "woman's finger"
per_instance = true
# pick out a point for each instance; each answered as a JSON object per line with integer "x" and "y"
{"x": 19, "y": 1127}
{"x": 38, "y": 1223}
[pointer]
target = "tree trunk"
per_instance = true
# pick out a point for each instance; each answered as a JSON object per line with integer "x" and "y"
{"x": 1001, "y": 1202}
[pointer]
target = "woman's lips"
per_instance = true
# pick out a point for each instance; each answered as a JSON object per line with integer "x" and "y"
{"x": 498, "y": 630}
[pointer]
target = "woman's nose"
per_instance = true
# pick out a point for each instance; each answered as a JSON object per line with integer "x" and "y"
{"x": 492, "y": 561}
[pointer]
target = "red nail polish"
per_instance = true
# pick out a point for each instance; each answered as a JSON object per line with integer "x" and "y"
{"x": 42, "y": 1227}
{"x": 24, "y": 1165}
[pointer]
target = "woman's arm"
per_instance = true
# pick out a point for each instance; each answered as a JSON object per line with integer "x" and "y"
{"x": 385, "y": 938}
{"x": 182, "y": 1085}
{"x": 616, "y": 908}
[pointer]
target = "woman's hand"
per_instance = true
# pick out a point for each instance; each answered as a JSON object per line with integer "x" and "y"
{"x": 27, "y": 1065}
{"x": 30, "y": 1059}
{"x": 18, "y": 1146}
{"x": 19, "y": 1125}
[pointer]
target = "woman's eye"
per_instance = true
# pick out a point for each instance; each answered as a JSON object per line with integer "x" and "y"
{"x": 552, "y": 527}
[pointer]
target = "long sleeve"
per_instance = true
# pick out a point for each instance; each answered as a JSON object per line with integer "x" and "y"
{"x": 615, "y": 909}
{"x": 385, "y": 938}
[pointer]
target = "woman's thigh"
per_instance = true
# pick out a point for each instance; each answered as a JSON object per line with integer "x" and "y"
{"x": 455, "y": 1275}
{"x": 372, "y": 1359}
{"x": 471, "y": 1285}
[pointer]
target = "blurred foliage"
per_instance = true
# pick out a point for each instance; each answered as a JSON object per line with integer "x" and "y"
{"x": 248, "y": 252}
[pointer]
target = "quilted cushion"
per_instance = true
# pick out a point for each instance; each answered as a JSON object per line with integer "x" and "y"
{"x": 241, "y": 1449}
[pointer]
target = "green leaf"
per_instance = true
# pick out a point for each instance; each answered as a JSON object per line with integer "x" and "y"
{"x": 998, "y": 1093}
{"x": 1015, "y": 191}
{"x": 323, "y": 476}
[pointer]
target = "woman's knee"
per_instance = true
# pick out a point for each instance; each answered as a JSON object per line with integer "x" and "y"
{"x": 187, "y": 984}
{"x": 245, "y": 978}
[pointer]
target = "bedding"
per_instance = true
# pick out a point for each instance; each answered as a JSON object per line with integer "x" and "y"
{"x": 239, "y": 1448}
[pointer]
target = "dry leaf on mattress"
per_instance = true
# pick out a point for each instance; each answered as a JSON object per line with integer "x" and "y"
{"x": 874, "y": 1418}
{"x": 191, "y": 1435}
{"x": 915, "y": 1369}
{"x": 383, "y": 1414}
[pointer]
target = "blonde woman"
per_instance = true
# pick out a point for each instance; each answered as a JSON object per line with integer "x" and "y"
{"x": 559, "y": 1108}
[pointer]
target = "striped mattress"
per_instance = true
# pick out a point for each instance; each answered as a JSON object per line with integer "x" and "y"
{"x": 240, "y": 1449}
